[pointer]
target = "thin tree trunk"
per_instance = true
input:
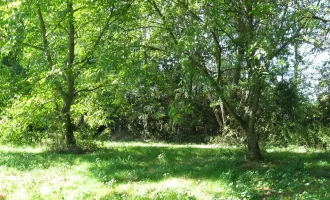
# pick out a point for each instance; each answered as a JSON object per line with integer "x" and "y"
{"x": 237, "y": 71}
{"x": 218, "y": 57}
{"x": 223, "y": 113}
{"x": 191, "y": 82}
{"x": 295, "y": 67}
{"x": 48, "y": 55}
{"x": 217, "y": 116}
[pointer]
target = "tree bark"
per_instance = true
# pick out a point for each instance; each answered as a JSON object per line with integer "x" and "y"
{"x": 218, "y": 58}
{"x": 68, "y": 98}
{"x": 216, "y": 113}
{"x": 253, "y": 152}
{"x": 237, "y": 71}
{"x": 69, "y": 127}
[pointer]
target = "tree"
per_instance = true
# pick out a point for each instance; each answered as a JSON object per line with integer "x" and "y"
{"x": 234, "y": 46}
{"x": 60, "y": 40}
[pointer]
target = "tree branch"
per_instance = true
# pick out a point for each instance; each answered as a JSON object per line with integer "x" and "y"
{"x": 153, "y": 48}
{"x": 46, "y": 49}
{"x": 44, "y": 38}
{"x": 278, "y": 51}
{"x": 194, "y": 15}
{"x": 33, "y": 46}
{"x": 217, "y": 88}
{"x": 205, "y": 72}
{"x": 160, "y": 14}
{"x": 88, "y": 90}
{"x": 103, "y": 31}
{"x": 90, "y": 54}
{"x": 321, "y": 19}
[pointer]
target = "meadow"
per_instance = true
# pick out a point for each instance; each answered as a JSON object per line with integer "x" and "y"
{"x": 163, "y": 171}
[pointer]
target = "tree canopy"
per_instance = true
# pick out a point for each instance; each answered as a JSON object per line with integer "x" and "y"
{"x": 173, "y": 70}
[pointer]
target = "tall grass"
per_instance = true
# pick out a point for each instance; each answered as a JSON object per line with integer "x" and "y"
{"x": 160, "y": 171}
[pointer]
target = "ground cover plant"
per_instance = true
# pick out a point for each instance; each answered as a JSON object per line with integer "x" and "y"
{"x": 163, "y": 171}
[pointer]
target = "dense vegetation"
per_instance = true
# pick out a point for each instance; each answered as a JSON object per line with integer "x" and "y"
{"x": 234, "y": 72}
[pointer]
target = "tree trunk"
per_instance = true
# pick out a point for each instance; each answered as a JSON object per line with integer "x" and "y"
{"x": 237, "y": 71}
{"x": 70, "y": 79}
{"x": 253, "y": 153}
{"x": 66, "y": 110}
{"x": 223, "y": 113}
{"x": 69, "y": 136}
{"x": 253, "y": 149}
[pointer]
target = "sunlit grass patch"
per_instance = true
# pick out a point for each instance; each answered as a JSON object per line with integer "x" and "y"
{"x": 162, "y": 171}
{"x": 27, "y": 149}
{"x": 163, "y": 144}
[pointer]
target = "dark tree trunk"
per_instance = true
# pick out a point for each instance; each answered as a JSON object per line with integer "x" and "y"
{"x": 66, "y": 111}
{"x": 69, "y": 129}
{"x": 70, "y": 79}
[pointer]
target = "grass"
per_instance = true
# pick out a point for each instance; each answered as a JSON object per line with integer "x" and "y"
{"x": 160, "y": 171}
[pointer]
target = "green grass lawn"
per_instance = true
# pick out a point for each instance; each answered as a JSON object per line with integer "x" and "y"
{"x": 159, "y": 171}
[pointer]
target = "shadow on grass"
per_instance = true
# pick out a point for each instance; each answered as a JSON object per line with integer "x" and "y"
{"x": 283, "y": 175}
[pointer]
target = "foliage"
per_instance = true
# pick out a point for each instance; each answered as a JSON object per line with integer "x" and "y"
{"x": 177, "y": 71}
